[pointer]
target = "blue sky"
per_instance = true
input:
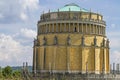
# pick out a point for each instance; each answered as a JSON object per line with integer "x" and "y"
{"x": 18, "y": 23}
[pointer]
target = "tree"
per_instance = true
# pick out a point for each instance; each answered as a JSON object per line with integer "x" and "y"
{"x": 1, "y": 72}
{"x": 7, "y": 71}
{"x": 16, "y": 73}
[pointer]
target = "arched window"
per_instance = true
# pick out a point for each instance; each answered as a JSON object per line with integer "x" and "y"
{"x": 75, "y": 29}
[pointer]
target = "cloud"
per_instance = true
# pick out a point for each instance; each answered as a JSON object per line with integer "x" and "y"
{"x": 16, "y": 48}
{"x": 1, "y": 16}
{"x": 114, "y": 51}
{"x": 113, "y": 25}
{"x": 115, "y": 33}
{"x": 31, "y": 4}
{"x": 114, "y": 42}
{"x": 114, "y": 37}
{"x": 12, "y": 52}
{"x": 23, "y": 16}
{"x": 28, "y": 33}
{"x": 17, "y": 10}
{"x": 115, "y": 56}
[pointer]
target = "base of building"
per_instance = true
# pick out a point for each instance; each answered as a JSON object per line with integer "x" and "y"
{"x": 71, "y": 76}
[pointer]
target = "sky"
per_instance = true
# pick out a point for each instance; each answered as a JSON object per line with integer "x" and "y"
{"x": 18, "y": 26}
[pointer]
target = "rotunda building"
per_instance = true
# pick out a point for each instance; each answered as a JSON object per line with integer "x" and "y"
{"x": 71, "y": 40}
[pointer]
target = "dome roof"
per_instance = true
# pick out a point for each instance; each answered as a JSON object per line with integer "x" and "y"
{"x": 72, "y": 7}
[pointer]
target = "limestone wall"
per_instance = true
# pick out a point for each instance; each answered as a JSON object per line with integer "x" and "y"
{"x": 73, "y": 57}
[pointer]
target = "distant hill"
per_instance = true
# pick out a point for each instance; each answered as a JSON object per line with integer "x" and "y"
{"x": 20, "y": 68}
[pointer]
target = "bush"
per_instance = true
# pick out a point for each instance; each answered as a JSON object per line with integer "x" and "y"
{"x": 7, "y": 71}
{"x": 17, "y": 74}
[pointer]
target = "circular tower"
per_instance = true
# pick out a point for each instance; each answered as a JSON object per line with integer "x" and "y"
{"x": 71, "y": 40}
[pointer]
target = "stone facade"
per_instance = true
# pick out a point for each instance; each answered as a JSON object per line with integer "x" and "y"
{"x": 71, "y": 42}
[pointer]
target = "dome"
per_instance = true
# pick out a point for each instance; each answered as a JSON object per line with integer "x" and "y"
{"x": 72, "y": 7}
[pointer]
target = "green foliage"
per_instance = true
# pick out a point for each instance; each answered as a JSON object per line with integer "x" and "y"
{"x": 7, "y": 71}
{"x": 16, "y": 74}
{"x": 1, "y": 72}
{"x": 9, "y": 74}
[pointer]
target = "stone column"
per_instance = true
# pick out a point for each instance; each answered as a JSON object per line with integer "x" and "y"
{"x": 82, "y": 41}
{"x": 64, "y": 27}
{"x": 54, "y": 65}
{"x": 36, "y": 50}
{"x": 82, "y": 27}
{"x": 90, "y": 28}
{"x": 73, "y": 27}
{"x": 45, "y": 28}
{"x": 103, "y": 67}
{"x": 49, "y": 27}
{"x": 86, "y": 28}
{"x": 104, "y": 30}
{"x": 78, "y": 29}
{"x": 69, "y": 27}
{"x": 68, "y": 58}
{"x": 53, "y": 27}
{"x": 95, "y": 29}
{"x": 98, "y": 29}
{"x": 40, "y": 29}
{"x": 60, "y": 27}
{"x": 34, "y": 60}
{"x": 101, "y": 29}
{"x": 95, "y": 41}
{"x": 44, "y": 58}
{"x": 56, "y": 27}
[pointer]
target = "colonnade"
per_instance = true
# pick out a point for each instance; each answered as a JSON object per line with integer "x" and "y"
{"x": 84, "y": 28}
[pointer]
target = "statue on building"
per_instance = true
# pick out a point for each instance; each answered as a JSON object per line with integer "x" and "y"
{"x": 68, "y": 40}
{"x": 55, "y": 40}
{"x": 44, "y": 41}
{"x": 82, "y": 41}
